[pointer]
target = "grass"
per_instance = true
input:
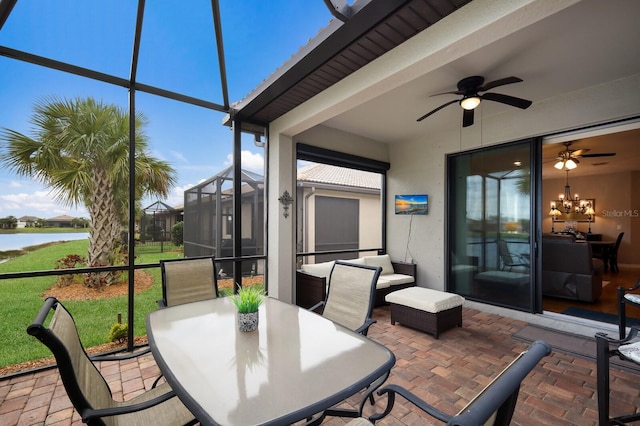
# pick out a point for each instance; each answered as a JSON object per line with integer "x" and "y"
{"x": 22, "y": 299}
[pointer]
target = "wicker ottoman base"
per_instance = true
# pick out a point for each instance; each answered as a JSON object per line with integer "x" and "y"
{"x": 432, "y": 323}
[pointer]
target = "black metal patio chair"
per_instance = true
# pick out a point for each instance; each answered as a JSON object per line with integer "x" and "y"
{"x": 510, "y": 260}
{"x": 86, "y": 387}
{"x": 626, "y": 297}
{"x": 494, "y": 405}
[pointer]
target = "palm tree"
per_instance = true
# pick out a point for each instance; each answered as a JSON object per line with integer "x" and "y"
{"x": 80, "y": 149}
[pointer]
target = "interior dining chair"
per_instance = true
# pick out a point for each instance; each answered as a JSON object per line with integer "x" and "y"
{"x": 350, "y": 296}
{"x": 626, "y": 296}
{"x": 494, "y": 405}
{"x": 613, "y": 253}
{"x": 86, "y": 387}
{"x": 508, "y": 259}
{"x": 188, "y": 280}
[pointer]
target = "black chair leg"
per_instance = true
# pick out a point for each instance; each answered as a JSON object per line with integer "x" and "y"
{"x": 602, "y": 375}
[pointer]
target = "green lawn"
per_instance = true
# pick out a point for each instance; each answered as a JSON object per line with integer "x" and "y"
{"x": 22, "y": 299}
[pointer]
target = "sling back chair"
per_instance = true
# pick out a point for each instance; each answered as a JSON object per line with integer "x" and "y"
{"x": 510, "y": 260}
{"x": 188, "y": 280}
{"x": 494, "y": 405}
{"x": 350, "y": 296}
{"x": 626, "y": 297}
{"x": 86, "y": 387}
{"x": 626, "y": 349}
{"x": 350, "y": 300}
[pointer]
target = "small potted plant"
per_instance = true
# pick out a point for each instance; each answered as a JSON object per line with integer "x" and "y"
{"x": 247, "y": 301}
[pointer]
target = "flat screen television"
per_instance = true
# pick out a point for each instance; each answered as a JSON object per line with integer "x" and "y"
{"x": 412, "y": 204}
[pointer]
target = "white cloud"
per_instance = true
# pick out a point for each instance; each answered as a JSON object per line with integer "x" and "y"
{"x": 37, "y": 203}
{"x": 250, "y": 161}
{"x": 179, "y": 156}
{"x": 176, "y": 197}
{"x": 14, "y": 184}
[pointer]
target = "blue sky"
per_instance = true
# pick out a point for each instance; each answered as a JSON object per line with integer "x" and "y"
{"x": 178, "y": 53}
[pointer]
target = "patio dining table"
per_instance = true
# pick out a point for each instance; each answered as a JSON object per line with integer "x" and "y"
{"x": 295, "y": 365}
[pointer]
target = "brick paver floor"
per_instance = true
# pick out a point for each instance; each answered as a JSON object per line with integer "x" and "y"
{"x": 445, "y": 372}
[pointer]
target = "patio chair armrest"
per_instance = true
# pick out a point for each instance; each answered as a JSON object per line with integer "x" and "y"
{"x": 392, "y": 390}
{"x": 91, "y": 414}
{"x": 120, "y": 357}
{"x": 633, "y": 334}
{"x": 364, "y": 328}
{"x": 635, "y": 287}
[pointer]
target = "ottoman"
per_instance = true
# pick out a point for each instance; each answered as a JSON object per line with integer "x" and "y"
{"x": 427, "y": 310}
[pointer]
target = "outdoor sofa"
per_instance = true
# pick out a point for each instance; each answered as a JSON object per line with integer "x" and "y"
{"x": 311, "y": 279}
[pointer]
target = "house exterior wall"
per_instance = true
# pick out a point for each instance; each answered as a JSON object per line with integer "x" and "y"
{"x": 418, "y": 164}
{"x": 369, "y": 217}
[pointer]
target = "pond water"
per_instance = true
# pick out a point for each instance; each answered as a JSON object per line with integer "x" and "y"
{"x": 18, "y": 241}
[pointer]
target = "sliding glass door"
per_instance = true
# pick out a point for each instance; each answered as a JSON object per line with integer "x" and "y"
{"x": 490, "y": 225}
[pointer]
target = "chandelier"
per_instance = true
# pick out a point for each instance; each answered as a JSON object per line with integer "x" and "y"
{"x": 572, "y": 203}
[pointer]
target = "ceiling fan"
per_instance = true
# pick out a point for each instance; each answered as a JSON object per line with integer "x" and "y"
{"x": 568, "y": 158}
{"x": 470, "y": 88}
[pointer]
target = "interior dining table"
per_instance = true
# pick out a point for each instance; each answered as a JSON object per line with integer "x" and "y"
{"x": 295, "y": 365}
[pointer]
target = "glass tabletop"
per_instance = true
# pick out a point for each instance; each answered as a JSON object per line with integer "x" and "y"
{"x": 296, "y": 364}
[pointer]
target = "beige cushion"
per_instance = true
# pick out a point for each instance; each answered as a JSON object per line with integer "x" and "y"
{"x": 359, "y": 422}
{"x": 633, "y": 298}
{"x": 631, "y": 351}
{"x": 384, "y": 261}
{"x": 319, "y": 269}
{"x": 393, "y": 279}
{"x": 425, "y": 299}
{"x": 358, "y": 261}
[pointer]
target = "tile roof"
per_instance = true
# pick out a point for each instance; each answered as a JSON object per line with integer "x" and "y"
{"x": 332, "y": 175}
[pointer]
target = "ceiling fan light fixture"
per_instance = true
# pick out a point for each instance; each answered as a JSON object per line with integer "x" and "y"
{"x": 570, "y": 164}
{"x": 559, "y": 165}
{"x": 470, "y": 102}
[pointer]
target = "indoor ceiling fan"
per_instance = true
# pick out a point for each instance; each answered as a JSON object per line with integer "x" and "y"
{"x": 568, "y": 158}
{"x": 470, "y": 89}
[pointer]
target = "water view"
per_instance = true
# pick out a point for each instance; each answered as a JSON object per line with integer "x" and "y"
{"x": 18, "y": 241}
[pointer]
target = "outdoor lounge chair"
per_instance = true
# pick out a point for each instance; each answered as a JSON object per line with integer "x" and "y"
{"x": 86, "y": 387}
{"x": 188, "y": 280}
{"x": 350, "y": 296}
{"x": 494, "y": 405}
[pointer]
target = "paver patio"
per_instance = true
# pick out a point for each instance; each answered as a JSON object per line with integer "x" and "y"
{"x": 446, "y": 372}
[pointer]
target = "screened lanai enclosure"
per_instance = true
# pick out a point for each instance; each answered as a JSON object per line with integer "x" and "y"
{"x": 208, "y": 220}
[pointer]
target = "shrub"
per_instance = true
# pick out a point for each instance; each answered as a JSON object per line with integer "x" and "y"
{"x": 118, "y": 333}
{"x": 177, "y": 233}
{"x": 70, "y": 261}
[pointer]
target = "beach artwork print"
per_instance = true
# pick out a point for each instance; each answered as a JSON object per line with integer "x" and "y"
{"x": 412, "y": 204}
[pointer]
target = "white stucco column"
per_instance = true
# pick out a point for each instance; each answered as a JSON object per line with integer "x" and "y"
{"x": 281, "y": 231}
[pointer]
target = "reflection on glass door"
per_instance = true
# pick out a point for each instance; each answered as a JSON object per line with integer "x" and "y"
{"x": 489, "y": 225}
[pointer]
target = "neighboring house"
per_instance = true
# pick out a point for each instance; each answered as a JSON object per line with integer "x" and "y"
{"x": 63, "y": 221}
{"x": 338, "y": 208}
{"x": 27, "y": 221}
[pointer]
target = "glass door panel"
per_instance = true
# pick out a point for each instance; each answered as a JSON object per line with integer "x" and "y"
{"x": 489, "y": 225}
